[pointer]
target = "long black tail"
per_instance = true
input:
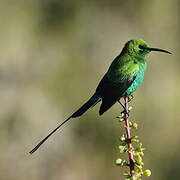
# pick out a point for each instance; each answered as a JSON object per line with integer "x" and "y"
{"x": 90, "y": 103}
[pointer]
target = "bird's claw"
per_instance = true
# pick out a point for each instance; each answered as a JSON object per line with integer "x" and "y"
{"x": 125, "y": 111}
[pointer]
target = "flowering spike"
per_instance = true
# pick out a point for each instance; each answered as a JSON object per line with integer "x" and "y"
{"x": 135, "y": 154}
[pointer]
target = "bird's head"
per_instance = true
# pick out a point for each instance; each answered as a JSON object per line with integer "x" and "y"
{"x": 138, "y": 47}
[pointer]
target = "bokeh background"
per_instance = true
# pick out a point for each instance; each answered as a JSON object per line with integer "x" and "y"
{"x": 52, "y": 55}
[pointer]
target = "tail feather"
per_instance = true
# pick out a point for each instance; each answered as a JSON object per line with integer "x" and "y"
{"x": 90, "y": 103}
{"x": 52, "y": 132}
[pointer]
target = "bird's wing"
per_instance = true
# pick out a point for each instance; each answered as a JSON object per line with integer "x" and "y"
{"x": 108, "y": 88}
{"x": 111, "y": 92}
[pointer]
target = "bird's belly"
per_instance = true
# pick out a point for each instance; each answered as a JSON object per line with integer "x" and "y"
{"x": 136, "y": 83}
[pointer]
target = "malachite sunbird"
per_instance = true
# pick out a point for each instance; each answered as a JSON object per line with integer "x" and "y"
{"x": 123, "y": 77}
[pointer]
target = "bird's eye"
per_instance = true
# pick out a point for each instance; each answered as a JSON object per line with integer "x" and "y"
{"x": 141, "y": 47}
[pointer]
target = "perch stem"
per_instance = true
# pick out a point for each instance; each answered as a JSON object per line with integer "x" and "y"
{"x": 128, "y": 134}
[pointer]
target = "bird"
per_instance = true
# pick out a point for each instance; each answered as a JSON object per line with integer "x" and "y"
{"x": 122, "y": 79}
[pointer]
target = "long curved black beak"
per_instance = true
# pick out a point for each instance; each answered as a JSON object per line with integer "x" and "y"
{"x": 156, "y": 49}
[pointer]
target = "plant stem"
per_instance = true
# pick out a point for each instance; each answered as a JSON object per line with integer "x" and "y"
{"x": 128, "y": 134}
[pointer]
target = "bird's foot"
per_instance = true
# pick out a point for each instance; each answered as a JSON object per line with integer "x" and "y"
{"x": 130, "y": 98}
{"x": 125, "y": 112}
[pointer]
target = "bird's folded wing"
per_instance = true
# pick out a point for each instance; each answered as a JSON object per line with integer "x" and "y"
{"x": 111, "y": 92}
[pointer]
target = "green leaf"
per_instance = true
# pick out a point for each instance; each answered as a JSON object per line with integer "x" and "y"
{"x": 126, "y": 174}
{"x": 122, "y": 149}
{"x": 120, "y": 162}
{"x": 123, "y": 138}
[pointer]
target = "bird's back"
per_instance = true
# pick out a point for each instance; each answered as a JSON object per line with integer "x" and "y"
{"x": 122, "y": 68}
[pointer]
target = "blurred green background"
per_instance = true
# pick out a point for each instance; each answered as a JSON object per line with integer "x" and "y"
{"x": 52, "y": 55}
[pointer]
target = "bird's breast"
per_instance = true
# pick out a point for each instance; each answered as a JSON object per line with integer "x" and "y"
{"x": 136, "y": 83}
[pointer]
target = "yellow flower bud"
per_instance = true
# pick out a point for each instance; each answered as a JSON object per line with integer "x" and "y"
{"x": 119, "y": 161}
{"x": 130, "y": 107}
{"x": 147, "y": 173}
{"x": 135, "y": 125}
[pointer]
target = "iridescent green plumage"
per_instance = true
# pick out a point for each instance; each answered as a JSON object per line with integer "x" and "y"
{"x": 123, "y": 77}
{"x": 131, "y": 63}
{"x": 127, "y": 70}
